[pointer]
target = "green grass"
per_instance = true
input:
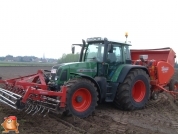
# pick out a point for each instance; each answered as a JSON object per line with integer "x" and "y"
{"x": 2, "y": 63}
{"x": 1, "y": 129}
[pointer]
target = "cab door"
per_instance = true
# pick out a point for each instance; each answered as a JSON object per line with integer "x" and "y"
{"x": 114, "y": 59}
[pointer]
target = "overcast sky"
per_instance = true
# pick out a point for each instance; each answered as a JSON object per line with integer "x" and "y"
{"x": 49, "y": 27}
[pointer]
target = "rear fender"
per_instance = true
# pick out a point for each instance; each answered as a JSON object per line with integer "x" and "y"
{"x": 91, "y": 79}
{"x": 123, "y": 70}
{"x": 121, "y": 73}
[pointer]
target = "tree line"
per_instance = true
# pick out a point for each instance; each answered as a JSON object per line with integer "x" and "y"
{"x": 69, "y": 58}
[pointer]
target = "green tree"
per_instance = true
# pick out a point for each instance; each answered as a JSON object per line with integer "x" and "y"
{"x": 69, "y": 58}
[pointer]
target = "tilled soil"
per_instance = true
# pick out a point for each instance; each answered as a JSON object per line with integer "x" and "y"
{"x": 158, "y": 117}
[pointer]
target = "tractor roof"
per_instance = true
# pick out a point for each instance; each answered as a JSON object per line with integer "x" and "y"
{"x": 100, "y": 39}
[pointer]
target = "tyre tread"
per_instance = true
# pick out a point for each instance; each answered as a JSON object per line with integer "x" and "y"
{"x": 122, "y": 99}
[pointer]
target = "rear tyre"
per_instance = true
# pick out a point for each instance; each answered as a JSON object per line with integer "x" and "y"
{"x": 172, "y": 85}
{"x": 82, "y": 97}
{"x": 134, "y": 92}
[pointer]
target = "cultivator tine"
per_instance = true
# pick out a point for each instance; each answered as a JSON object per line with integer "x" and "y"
{"x": 43, "y": 110}
{"x": 12, "y": 96}
{"x": 28, "y": 107}
{"x": 41, "y": 107}
{"x": 13, "y": 90}
{"x": 22, "y": 93}
{"x": 32, "y": 109}
{"x": 38, "y": 109}
{"x": 46, "y": 113}
{"x": 35, "y": 109}
{"x": 19, "y": 92}
{"x": 32, "y": 106}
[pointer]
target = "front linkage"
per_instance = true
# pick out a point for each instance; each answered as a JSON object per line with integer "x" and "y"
{"x": 31, "y": 94}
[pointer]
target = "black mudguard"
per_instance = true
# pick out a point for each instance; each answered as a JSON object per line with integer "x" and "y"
{"x": 91, "y": 79}
{"x": 126, "y": 69}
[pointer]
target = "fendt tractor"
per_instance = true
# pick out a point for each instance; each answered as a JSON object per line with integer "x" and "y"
{"x": 107, "y": 71}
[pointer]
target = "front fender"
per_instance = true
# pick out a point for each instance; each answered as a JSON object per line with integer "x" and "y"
{"x": 91, "y": 79}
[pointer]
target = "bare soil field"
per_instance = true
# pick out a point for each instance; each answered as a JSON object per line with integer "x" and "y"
{"x": 158, "y": 117}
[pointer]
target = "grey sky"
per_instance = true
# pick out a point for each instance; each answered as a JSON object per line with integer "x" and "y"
{"x": 37, "y": 27}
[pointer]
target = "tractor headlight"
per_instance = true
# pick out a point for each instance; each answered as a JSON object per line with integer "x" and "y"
{"x": 56, "y": 78}
{"x": 53, "y": 71}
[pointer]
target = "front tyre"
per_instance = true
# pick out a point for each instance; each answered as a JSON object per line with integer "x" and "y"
{"x": 134, "y": 92}
{"x": 82, "y": 97}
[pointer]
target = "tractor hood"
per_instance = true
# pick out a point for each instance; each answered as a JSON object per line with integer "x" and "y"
{"x": 87, "y": 68}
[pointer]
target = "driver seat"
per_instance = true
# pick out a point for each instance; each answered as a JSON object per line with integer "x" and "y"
{"x": 112, "y": 57}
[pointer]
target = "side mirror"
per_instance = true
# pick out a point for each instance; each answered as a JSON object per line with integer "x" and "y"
{"x": 110, "y": 48}
{"x": 73, "y": 49}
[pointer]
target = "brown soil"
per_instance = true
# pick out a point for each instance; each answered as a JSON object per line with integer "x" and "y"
{"x": 158, "y": 117}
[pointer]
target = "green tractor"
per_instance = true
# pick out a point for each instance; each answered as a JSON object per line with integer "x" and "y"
{"x": 104, "y": 73}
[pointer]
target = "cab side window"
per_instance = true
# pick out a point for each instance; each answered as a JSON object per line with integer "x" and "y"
{"x": 116, "y": 56}
{"x": 118, "y": 53}
{"x": 127, "y": 53}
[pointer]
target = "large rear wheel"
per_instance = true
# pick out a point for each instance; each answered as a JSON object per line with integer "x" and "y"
{"x": 172, "y": 85}
{"x": 134, "y": 92}
{"x": 82, "y": 97}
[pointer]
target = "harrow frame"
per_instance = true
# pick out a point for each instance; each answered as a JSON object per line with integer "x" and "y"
{"x": 17, "y": 91}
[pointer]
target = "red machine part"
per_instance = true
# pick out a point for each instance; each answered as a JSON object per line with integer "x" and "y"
{"x": 33, "y": 87}
{"x": 164, "y": 72}
{"x": 29, "y": 80}
{"x": 160, "y": 63}
{"x": 40, "y": 92}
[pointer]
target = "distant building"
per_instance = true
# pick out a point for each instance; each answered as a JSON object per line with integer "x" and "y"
{"x": 17, "y": 59}
{"x": 9, "y": 58}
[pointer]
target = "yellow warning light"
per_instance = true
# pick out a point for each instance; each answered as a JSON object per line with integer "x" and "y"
{"x": 126, "y": 34}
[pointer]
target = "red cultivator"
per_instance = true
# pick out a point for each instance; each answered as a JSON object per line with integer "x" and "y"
{"x": 30, "y": 93}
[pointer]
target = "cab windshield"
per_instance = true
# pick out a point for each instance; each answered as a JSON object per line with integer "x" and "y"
{"x": 95, "y": 52}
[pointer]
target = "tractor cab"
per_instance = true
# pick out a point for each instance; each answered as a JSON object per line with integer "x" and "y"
{"x": 108, "y": 54}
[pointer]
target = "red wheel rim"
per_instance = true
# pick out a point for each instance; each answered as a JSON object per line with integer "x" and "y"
{"x": 138, "y": 91}
{"x": 81, "y": 99}
{"x": 175, "y": 88}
